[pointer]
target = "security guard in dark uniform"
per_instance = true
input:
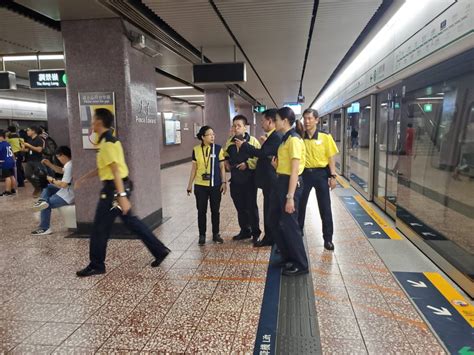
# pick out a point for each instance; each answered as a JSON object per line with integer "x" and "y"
{"x": 113, "y": 172}
{"x": 319, "y": 172}
{"x": 243, "y": 189}
{"x": 289, "y": 166}
{"x": 265, "y": 174}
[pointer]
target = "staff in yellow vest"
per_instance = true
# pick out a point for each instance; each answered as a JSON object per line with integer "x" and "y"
{"x": 289, "y": 167}
{"x": 319, "y": 173}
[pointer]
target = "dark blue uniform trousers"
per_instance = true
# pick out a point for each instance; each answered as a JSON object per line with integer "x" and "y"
{"x": 104, "y": 218}
{"x": 317, "y": 179}
{"x": 289, "y": 238}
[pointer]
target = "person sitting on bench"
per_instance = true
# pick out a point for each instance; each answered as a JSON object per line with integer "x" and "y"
{"x": 59, "y": 193}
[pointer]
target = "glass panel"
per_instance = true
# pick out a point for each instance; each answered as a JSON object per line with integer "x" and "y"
{"x": 380, "y": 176}
{"x": 336, "y": 131}
{"x": 436, "y": 168}
{"x": 393, "y": 145}
{"x": 359, "y": 134}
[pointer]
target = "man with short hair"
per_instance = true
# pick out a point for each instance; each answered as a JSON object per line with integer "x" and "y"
{"x": 319, "y": 173}
{"x": 265, "y": 173}
{"x": 34, "y": 154}
{"x": 114, "y": 198}
{"x": 243, "y": 189}
{"x": 59, "y": 193}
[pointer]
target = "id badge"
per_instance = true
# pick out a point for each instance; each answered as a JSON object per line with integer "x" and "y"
{"x": 206, "y": 177}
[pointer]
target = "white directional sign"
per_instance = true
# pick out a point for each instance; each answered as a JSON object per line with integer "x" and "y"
{"x": 417, "y": 283}
{"x": 440, "y": 311}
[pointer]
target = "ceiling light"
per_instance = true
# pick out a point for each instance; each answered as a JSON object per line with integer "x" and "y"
{"x": 182, "y": 96}
{"x": 429, "y": 98}
{"x": 19, "y": 104}
{"x": 168, "y": 115}
{"x": 175, "y": 88}
{"x": 197, "y": 101}
{"x": 21, "y": 58}
{"x": 440, "y": 93}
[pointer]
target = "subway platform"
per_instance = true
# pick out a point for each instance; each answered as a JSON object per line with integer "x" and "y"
{"x": 365, "y": 297}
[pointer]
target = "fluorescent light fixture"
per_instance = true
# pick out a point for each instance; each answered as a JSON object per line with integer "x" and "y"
{"x": 197, "y": 101}
{"x": 440, "y": 93}
{"x": 22, "y": 58}
{"x": 430, "y": 98}
{"x": 384, "y": 104}
{"x": 175, "y": 88}
{"x": 367, "y": 107}
{"x": 402, "y": 18}
{"x": 167, "y": 115}
{"x": 20, "y": 104}
{"x": 183, "y": 96}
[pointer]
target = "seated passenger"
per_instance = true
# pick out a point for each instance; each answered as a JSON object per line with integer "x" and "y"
{"x": 58, "y": 193}
{"x": 7, "y": 165}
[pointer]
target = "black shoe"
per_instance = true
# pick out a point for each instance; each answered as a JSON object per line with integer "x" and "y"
{"x": 265, "y": 242}
{"x": 242, "y": 236}
{"x": 217, "y": 239}
{"x": 294, "y": 271}
{"x": 328, "y": 246}
{"x": 202, "y": 240}
{"x": 283, "y": 264}
{"x": 89, "y": 271}
{"x": 160, "y": 259}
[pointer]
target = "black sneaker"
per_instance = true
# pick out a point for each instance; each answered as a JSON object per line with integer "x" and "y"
{"x": 242, "y": 236}
{"x": 202, "y": 240}
{"x": 217, "y": 239}
{"x": 13, "y": 191}
{"x": 160, "y": 259}
{"x": 89, "y": 271}
{"x": 6, "y": 194}
{"x": 40, "y": 205}
{"x": 41, "y": 231}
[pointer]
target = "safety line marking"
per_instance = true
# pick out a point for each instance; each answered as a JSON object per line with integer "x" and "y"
{"x": 378, "y": 219}
{"x": 465, "y": 309}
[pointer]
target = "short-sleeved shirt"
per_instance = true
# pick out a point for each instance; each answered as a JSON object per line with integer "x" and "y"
{"x": 291, "y": 147}
{"x": 15, "y": 141}
{"x": 110, "y": 151}
{"x": 35, "y": 142}
{"x": 7, "y": 160}
{"x": 208, "y": 159}
{"x": 67, "y": 193}
{"x": 319, "y": 148}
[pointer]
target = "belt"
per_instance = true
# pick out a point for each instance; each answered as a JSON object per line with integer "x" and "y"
{"x": 315, "y": 169}
{"x": 108, "y": 182}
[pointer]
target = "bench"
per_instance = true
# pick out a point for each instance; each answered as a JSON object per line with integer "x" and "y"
{"x": 69, "y": 214}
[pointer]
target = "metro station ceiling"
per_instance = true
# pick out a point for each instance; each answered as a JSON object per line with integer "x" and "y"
{"x": 272, "y": 33}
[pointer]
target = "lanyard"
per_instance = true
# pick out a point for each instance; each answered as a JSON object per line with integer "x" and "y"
{"x": 206, "y": 157}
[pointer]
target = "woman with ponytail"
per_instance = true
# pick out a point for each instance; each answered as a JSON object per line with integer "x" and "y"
{"x": 208, "y": 175}
{"x": 289, "y": 166}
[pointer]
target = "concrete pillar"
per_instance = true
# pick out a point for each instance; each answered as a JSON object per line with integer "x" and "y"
{"x": 218, "y": 112}
{"x": 99, "y": 58}
{"x": 56, "y": 101}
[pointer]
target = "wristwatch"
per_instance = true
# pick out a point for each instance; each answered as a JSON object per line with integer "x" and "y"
{"x": 289, "y": 196}
{"x": 333, "y": 176}
{"x": 122, "y": 194}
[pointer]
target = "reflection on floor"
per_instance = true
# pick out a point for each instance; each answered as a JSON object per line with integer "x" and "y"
{"x": 203, "y": 300}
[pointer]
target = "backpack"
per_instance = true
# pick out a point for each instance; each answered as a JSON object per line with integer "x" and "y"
{"x": 50, "y": 147}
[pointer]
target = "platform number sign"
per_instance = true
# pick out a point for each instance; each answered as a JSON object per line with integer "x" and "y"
{"x": 259, "y": 108}
{"x": 48, "y": 79}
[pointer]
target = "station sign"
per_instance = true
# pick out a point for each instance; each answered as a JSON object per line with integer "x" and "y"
{"x": 259, "y": 108}
{"x": 48, "y": 79}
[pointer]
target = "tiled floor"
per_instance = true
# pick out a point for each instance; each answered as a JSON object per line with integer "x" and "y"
{"x": 201, "y": 300}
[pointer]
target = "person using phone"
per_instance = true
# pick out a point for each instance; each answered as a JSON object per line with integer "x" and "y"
{"x": 265, "y": 174}
{"x": 209, "y": 178}
{"x": 114, "y": 199}
{"x": 243, "y": 188}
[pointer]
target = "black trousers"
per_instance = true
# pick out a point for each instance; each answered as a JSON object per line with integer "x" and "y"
{"x": 103, "y": 221}
{"x": 270, "y": 212}
{"x": 20, "y": 173}
{"x": 204, "y": 194}
{"x": 318, "y": 179}
{"x": 289, "y": 238}
{"x": 245, "y": 202}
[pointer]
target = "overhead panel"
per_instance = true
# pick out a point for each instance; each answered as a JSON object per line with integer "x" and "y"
{"x": 20, "y": 34}
{"x": 337, "y": 26}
